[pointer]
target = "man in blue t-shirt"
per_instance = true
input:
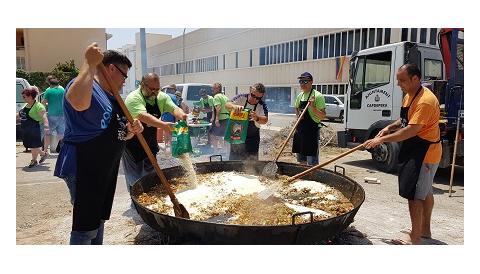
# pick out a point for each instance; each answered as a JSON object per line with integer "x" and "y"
{"x": 95, "y": 134}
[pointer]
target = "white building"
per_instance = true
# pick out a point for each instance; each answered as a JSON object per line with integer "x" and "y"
{"x": 238, "y": 58}
{"x": 130, "y": 83}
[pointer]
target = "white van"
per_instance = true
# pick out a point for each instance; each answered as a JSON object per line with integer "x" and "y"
{"x": 21, "y": 85}
{"x": 190, "y": 91}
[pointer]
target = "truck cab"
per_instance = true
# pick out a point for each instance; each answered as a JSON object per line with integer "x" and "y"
{"x": 373, "y": 99}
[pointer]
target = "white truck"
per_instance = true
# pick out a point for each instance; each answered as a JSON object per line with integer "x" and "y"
{"x": 373, "y": 99}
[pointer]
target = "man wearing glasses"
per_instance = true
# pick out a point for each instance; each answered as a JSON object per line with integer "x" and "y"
{"x": 258, "y": 117}
{"x": 95, "y": 133}
{"x": 147, "y": 104}
{"x": 305, "y": 139}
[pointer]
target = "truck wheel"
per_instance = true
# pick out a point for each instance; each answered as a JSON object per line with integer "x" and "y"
{"x": 386, "y": 156}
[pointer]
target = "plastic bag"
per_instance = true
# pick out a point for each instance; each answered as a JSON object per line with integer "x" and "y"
{"x": 237, "y": 127}
{"x": 181, "y": 139}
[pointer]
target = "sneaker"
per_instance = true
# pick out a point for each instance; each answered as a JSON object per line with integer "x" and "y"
{"x": 33, "y": 163}
{"x": 43, "y": 158}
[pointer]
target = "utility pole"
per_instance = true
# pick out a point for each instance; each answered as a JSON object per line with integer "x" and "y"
{"x": 143, "y": 49}
{"x": 184, "y": 66}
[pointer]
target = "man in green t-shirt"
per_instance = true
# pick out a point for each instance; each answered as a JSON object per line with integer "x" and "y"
{"x": 307, "y": 133}
{"x": 147, "y": 105}
{"x": 206, "y": 103}
{"x": 53, "y": 99}
{"x": 219, "y": 119}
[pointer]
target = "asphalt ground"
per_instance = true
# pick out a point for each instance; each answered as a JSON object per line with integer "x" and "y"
{"x": 43, "y": 211}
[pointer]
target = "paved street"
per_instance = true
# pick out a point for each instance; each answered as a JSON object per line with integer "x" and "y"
{"x": 43, "y": 214}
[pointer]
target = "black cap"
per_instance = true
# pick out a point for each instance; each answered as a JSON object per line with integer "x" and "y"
{"x": 306, "y": 75}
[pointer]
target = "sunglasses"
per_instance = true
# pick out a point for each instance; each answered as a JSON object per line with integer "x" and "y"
{"x": 125, "y": 76}
{"x": 151, "y": 89}
{"x": 255, "y": 97}
{"x": 303, "y": 82}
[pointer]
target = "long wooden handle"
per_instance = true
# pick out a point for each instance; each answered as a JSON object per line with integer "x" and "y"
{"x": 299, "y": 175}
{"x": 293, "y": 130}
{"x": 140, "y": 137}
{"x": 452, "y": 171}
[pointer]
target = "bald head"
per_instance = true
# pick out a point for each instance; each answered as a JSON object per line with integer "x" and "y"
{"x": 151, "y": 76}
{"x": 150, "y": 85}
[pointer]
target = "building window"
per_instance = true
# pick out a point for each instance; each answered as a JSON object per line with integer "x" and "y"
{"x": 350, "y": 42}
{"x": 320, "y": 47}
{"x": 20, "y": 62}
{"x": 295, "y": 51}
{"x": 404, "y": 35}
{"x": 324, "y": 89}
{"x": 224, "y": 61}
{"x": 262, "y": 57}
{"x": 300, "y": 50}
{"x": 357, "y": 40}
{"x": 371, "y": 38}
{"x": 271, "y": 55}
{"x": 279, "y": 54}
{"x": 278, "y": 99}
{"x": 274, "y": 54}
{"x": 335, "y": 89}
{"x": 236, "y": 59}
{"x": 331, "y": 52}
{"x": 251, "y": 57}
{"x": 379, "y": 37}
{"x": 364, "y": 38}
{"x": 287, "y": 52}
{"x": 315, "y": 45}
{"x": 267, "y": 55}
{"x": 343, "y": 49}
{"x": 291, "y": 51}
{"x": 304, "y": 49}
{"x": 326, "y": 46}
{"x": 337, "y": 44}
{"x": 423, "y": 36}
{"x": 387, "y": 36}
{"x": 433, "y": 37}
{"x": 413, "y": 35}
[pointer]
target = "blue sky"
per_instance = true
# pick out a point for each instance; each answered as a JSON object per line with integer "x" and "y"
{"x": 122, "y": 36}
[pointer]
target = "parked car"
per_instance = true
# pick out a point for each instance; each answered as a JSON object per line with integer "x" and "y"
{"x": 334, "y": 107}
{"x": 21, "y": 85}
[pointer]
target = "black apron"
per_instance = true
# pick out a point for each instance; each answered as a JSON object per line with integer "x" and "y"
{"x": 412, "y": 154}
{"x": 307, "y": 133}
{"x": 31, "y": 135}
{"x": 133, "y": 146}
{"x": 252, "y": 142}
{"x": 98, "y": 160}
{"x": 209, "y": 114}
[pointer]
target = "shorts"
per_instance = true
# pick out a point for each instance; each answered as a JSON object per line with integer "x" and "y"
{"x": 425, "y": 181}
{"x": 219, "y": 131}
{"x": 56, "y": 125}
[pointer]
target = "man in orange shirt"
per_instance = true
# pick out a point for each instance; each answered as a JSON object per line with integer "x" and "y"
{"x": 421, "y": 151}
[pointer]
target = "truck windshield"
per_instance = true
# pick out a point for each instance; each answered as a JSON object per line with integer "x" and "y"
{"x": 371, "y": 71}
